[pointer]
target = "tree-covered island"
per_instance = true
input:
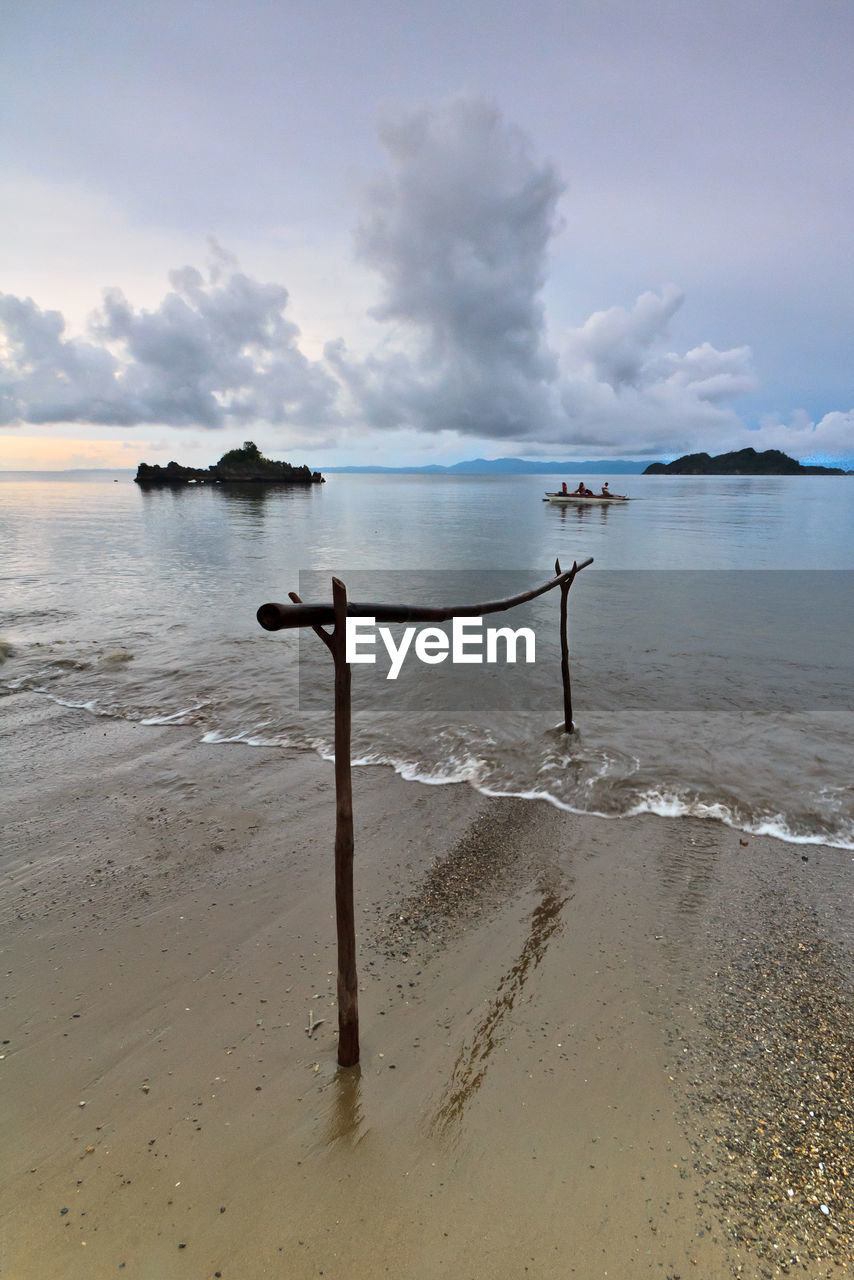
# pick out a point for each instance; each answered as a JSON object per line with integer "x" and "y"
{"x": 741, "y": 462}
{"x": 245, "y": 465}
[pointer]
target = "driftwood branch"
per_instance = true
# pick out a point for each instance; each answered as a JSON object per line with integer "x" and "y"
{"x": 278, "y": 617}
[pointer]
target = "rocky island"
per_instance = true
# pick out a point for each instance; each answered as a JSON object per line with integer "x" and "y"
{"x": 741, "y": 462}
{"x": 245, "y": 466}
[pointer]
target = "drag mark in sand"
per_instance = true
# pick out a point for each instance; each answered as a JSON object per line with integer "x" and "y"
{"x": 473, "y": 1059}
{"x": 464, "y": 886}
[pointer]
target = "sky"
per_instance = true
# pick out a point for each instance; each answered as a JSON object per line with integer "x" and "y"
{"x": 396, "y": 233}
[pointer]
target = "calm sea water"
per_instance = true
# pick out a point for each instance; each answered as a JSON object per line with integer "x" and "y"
{"x": 711, "y": 640}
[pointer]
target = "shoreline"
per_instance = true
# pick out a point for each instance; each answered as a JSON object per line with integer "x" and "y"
{"x": 546, "y": 1077}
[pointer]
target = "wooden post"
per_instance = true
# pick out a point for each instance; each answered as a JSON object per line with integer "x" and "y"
{"x": 564, "y": 652}
{"x": 348, "y": 992}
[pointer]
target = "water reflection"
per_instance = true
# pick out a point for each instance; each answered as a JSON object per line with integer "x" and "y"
{"x": 473, "y": 1059}
{"x": 345, "y": 1116}
{"x": 252, "y": 493}
{"x": 157, "y": 492}
{"x": 248, "y": 493}
{"x": 575, "y": 516}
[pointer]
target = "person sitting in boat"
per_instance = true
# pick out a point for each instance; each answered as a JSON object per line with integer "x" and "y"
{"x": 563, "y": 488}
{"x": 580, "y": 492}
{"x": 606, "y": 492}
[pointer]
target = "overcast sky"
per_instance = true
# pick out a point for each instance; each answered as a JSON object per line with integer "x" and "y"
{"x": 396, "y": 233}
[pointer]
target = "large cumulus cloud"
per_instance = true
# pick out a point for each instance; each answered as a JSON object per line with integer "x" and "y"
{"x": 458, "y": 231}
{"x": 621, "y": 387}
{"x": 217, "y": 351}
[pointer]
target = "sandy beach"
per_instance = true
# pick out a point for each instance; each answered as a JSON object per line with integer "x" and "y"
{"x": 589, "y": 1047}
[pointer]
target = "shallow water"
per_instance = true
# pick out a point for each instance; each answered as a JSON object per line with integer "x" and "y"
{"x": 711, "y": 659}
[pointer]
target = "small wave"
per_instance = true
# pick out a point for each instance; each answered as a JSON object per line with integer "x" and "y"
{"x": 115, "y": 658}
{"x": 95, "y": 707}
{"x": 670, "y": 805}
{"x": 536, "y": 794}
{"x": 91, "y": 706}
{"x": 186, "y": 716}
{"x": 777, "y": 827}
{"x": 665, "y": 805}
{"x": 445, "y": 773}
{"x": 248, "y": 737}
{"x": 31, "y": 681}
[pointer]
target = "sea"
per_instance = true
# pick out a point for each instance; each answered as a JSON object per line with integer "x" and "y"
{"x": 710, "y": 640}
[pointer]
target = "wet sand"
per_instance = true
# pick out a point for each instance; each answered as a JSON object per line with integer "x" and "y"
{"x": 575, "y": 1033}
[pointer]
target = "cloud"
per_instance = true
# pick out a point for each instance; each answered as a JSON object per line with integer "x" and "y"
{"x": 613, "y": 346}
{"x": 832, "y": 436}
{"x": 215, "y": 352}
{"x": 623, "y": 349}
{"x": 622, "y": 390}
{"x": 46, "y": 377}
{"x": 458, "y": 232}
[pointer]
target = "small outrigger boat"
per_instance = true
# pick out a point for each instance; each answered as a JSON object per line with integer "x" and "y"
{"x": 579, "y": 500}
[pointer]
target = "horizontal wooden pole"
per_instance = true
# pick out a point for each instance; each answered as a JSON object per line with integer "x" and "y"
{"x": 278, "y": 617}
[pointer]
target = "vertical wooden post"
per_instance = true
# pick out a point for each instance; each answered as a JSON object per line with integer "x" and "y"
{"x": 564, "y": 653}
{"x": 348, "y": 993}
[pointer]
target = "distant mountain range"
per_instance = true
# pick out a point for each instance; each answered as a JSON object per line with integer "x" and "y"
{"x": 501, "y": 467}
{"x": 742, "y": 462}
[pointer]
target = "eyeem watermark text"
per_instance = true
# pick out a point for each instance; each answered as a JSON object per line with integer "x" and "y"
{"x": 433, "y": 645}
